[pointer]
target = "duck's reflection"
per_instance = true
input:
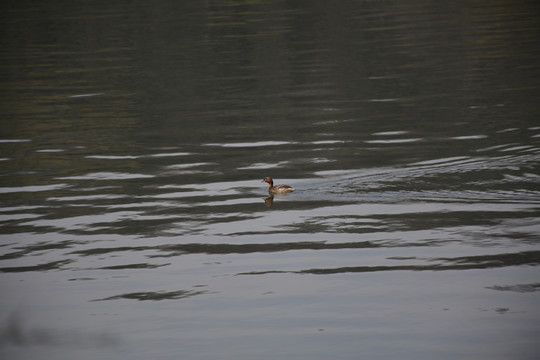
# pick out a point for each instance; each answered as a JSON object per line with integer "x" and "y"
{"x": 269, "y": 201}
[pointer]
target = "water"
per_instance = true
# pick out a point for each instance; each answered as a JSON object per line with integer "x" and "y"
{"x": 135, "y": 137}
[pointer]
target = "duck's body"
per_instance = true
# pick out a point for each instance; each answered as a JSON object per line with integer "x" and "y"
{"x": 277, "y": 189}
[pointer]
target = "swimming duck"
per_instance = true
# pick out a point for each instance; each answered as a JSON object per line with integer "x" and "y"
{"x": 278, "y": 189}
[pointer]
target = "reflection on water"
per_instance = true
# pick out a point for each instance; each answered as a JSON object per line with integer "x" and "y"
{"x": 134, "y": 139}
{"x": 269, "y": 201}
{"x": 160, "y": 295}
{"x": 521, "y": 288}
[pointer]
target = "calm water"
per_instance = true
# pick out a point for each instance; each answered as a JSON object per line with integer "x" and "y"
{"x": 135, "y": 135}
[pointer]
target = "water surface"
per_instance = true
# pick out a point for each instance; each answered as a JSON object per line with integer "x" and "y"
{"x": 134, "y": 138}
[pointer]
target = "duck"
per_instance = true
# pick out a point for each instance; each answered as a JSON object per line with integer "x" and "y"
{"x": 277, "y": 189}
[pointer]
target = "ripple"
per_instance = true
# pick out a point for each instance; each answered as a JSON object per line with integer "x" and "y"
{"x": 14, "y": 140}
{"x": 36, "y": 188}
{"x": 260, "y": 166}
{"x": 251, "y": 144}
{"x": 131, "y": 157}
{"x": 193, "y": 194}
{"x": 441, "y": 160}
{"x": 54, "y": 265}
{"x": 112, "y": 157}
{"x": 87, "y": 197}
{"x": 183, "y": 166}
{"x": 327, "y": 142}
{"x": 474, "y": 180}
{"x": 155, "y": 295}
{"x": 519, "y": 288}
{"x": 107, "y": 176}
{"x": 390, "y": 133}
{"x": 459, "y": 263}
{"x": 393, "y": 141}
{"x": 507, "y": 130}
{"x": 18, "y": 216}
{"x": 382, "y": 100}
{"x": 133, "y": 266}
{"x": 84, "y": 95}
{"x": 50, "y": 150}
{"x": 518, "y": 148}
{"x": 491, "y": 148}
{"x": 170, "y": 154}
{"x": 469, "y": 137}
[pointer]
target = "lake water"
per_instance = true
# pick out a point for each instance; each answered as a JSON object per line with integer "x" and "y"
{"x": 135, "y": 135}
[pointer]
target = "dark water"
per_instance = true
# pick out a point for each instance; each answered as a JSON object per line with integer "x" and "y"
{"x": 134, "y": 137}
